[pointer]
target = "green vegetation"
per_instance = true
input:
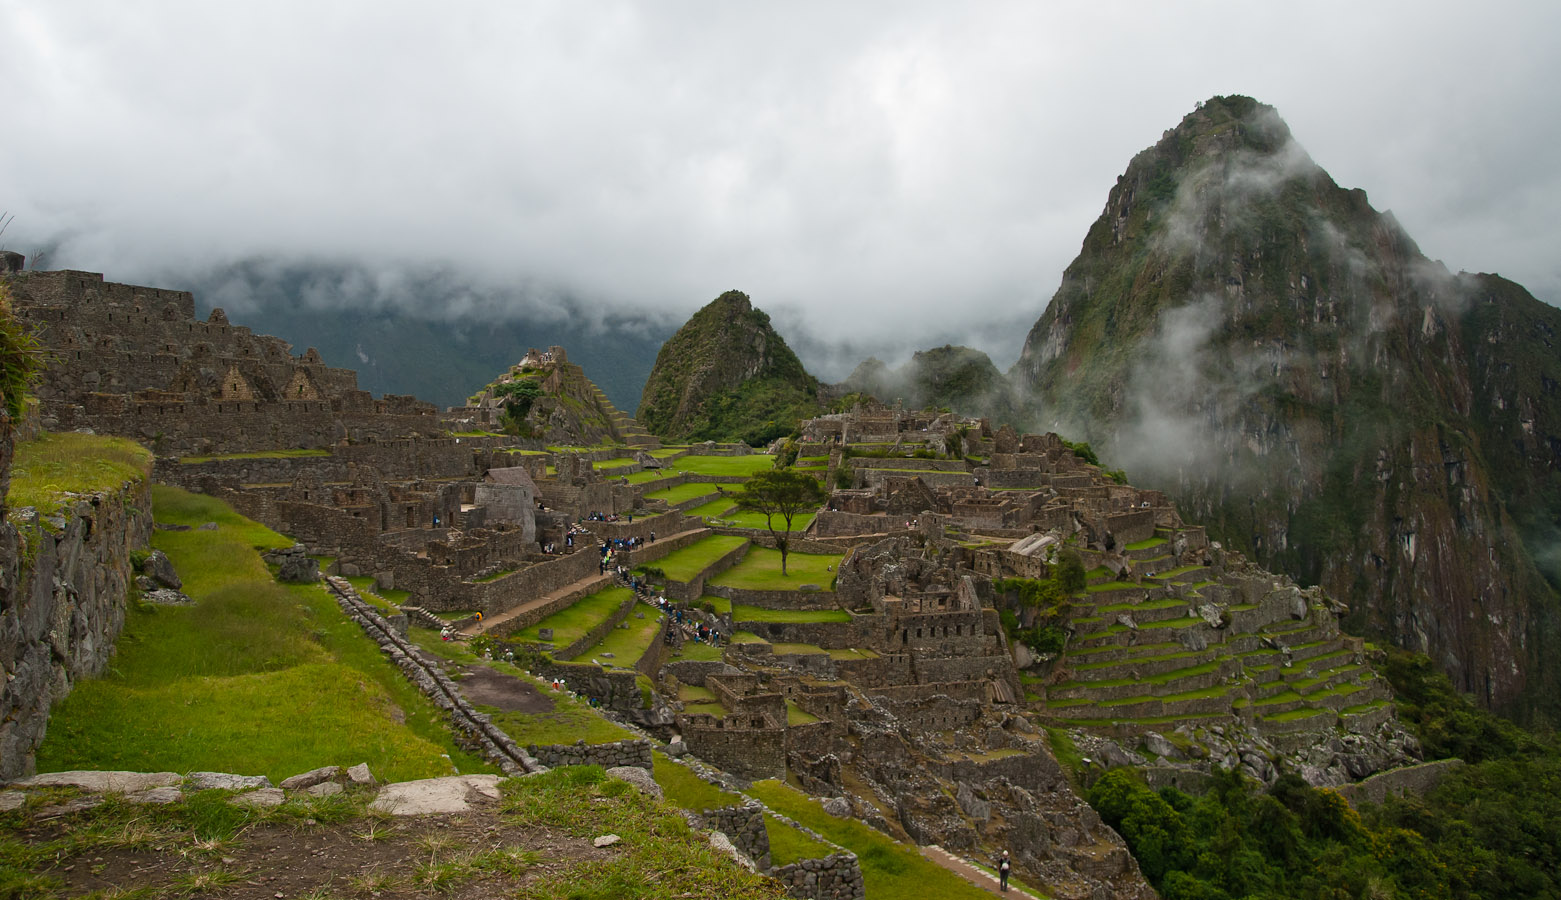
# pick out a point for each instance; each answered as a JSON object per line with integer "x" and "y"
{"x": 789, "y": 845}
{"x": 44, "y": 470}
{"x": 572, "y": 623}
{"x": 256, "y": 454}
{"x": 682, "y": 492}
{"x": 757, "y": 520}
{"x": 683, "y": 788}
{"x": 761, "y": 570}
{"x": 626, "y": 645}
{"x": 744, "y": 613}
{"x": 1486, "y": 830}
{"x": 257, "y": 677}
{"x": 686, "y": 564}
{"x": 783, "y": 494}
{"x": 891, "y": 871}
{"x": 659, "y": 857}
{"x": 717, "y": 508}
{"x": 1051, "y": 595}
{"x": 568, "y": 721}
{"x": 704, "y": 386}
{"x": 724, "y": 465}
{"x": 21, "y": 358}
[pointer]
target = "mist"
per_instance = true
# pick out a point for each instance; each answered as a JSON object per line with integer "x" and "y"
{"x": 879, "y": 177}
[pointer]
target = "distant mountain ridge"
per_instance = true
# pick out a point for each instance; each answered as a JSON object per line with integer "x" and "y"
{"x": 408, "y": 338}
{"x": 1245, "y": 334}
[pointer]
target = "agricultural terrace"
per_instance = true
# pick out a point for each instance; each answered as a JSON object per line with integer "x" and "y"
{"x": 256, "y": 677}
{"x": 690, "y": 562}
{"x": 760, "y": 570}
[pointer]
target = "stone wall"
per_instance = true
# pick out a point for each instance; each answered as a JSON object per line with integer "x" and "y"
{"x": 619, "y": 753}
{"x": 744, "y": 825}
{"x": 835, "y": 877}
{"x": 1410, "y": 780}
{"x": 64, "y": 582}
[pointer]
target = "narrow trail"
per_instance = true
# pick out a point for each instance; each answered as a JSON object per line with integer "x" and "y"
{"x": 977, "y": 877}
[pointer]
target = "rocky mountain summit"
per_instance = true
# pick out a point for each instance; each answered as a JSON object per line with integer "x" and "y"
{"x": 727, "y": 375}
{"x": 1278, "y": 356}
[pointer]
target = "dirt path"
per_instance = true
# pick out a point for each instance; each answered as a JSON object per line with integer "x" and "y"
{"x": 970, "y": 873}
{"x": 485, "y": 686}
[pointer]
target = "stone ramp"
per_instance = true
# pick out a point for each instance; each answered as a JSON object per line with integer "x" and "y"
{"x": 629, "y": 431}
{"x": 525, "y": 614}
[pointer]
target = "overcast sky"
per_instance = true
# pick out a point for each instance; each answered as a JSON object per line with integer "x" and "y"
{"x": 916, "y": 172}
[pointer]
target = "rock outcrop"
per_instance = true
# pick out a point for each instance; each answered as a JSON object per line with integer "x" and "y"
{"x": 727, "y": 376}
{"x": 1280, "y": 358}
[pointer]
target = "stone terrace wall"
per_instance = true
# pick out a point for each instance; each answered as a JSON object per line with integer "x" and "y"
{"x": 744, "y": 825}
{"x": 619, "y": 753}
{"x": 836, "y": 877}
{"x": 62, "y": 606}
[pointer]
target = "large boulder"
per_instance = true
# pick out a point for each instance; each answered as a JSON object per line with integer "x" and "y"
{"x": 159, "y": 568}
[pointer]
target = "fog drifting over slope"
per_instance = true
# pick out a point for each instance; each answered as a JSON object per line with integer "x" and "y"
{"x": 883, "y": 175}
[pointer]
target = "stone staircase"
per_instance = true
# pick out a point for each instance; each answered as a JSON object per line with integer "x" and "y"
{"x": 629, "y": 431}
{"x": 529, "y": 613}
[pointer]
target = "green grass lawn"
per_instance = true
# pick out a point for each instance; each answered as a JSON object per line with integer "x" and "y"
{"x": 718, "y": 507}
{"x": 568, "y": 721}
{"x": 788, "y": 845}
{"x": 799, "y": 523}
{"x": 743, "y": 613}
{"x": 682, "y": 492}
{"x": 891, "y": 870}
{"x": 693, "y": 693}
{"x": 747, "y": 637}
{"x": 685, "y": 565}
{"x": 796, "y": 715}
{"x": 718, "y": 605}
{"x": 696, "y": 651}
{"x": 683, "y": 788}
{"x": 44, "y": 469}
{"x": 258, "y": 454}
{"x": 257, "y": 678}
{"x": 760, "y": 570}
{"x": 645, "y": 476}
{"x": 808, "y": 649}
{"x": 571, "y": 624}
{"x": 666, "y": 452}
{"x": 723, "y": 465}
{"x": 618, "y": 463}
{"x": 626, "y": 645}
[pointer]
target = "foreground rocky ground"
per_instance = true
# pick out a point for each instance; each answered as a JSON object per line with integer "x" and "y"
{"x": 569, "y": 833}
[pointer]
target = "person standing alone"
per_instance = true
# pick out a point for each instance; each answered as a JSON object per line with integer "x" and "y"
{"x": 1002, "y": 870}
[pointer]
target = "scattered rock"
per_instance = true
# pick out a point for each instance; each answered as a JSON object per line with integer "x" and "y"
{"x": 451, "y": 794}
{"x": 159, "y": 526}
{"x": 323, "y": 789}
{"x": 268, "y": 796}
{"x": 1160, "y": 746}
{"x": 209, "y": 526}
{"x": 159, "y": 796}
{"x": 606, "y": 840}
{"x": 144, "y": 583}
{"x": 311, "y": 778}
{"x": 677, "y": 749}
{"x": 10, "y": 800}
{"x": 167, "y": 597}
{"x": 299, "y": 569}
{"x": 1126, "y": 621}
{"x": 722, "y": 843}
{"x": 839, "y": 807}
{"x": 159, "y": 568}
{"x": 360, "y": 776}
{"x": 1212, "y": 614}
{"x": 222, "y": 781}
{"x": 638, "y": 777}
{"x": 104, "y": 782}
{"x": 80, "y": 804}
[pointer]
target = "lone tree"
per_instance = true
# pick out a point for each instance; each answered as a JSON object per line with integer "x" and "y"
{"x": 780, "y": 492}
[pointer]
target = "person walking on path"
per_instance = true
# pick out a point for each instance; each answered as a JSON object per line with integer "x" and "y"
{"x": 1002, "y": 870}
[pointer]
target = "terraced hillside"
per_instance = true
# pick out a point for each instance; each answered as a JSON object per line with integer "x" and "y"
{"x": 1191, "y": 645}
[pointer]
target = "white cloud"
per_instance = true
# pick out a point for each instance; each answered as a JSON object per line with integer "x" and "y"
{"x": 895, "y": 172}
